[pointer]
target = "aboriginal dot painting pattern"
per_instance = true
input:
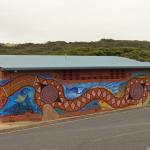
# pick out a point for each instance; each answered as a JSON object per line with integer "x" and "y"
{"x": 29, "y": 93}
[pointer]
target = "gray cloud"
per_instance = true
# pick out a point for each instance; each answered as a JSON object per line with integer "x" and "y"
{"x": 73, "y": 20}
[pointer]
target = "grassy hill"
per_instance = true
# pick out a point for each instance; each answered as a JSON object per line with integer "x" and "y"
{"x": 139, "y": 50}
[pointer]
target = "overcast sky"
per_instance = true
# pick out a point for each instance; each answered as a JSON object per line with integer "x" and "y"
{"x": 73, "y": 20}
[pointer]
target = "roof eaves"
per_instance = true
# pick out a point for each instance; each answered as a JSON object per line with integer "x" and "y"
{"x": 67, "y": 68}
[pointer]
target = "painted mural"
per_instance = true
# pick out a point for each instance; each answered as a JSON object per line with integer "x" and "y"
{"x": 29, "y": 93}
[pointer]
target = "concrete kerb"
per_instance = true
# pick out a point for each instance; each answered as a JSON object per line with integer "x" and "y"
{"x": 49, "y": 122}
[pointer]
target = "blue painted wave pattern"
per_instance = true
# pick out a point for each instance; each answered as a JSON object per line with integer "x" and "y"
{"x": 20, "y": 102}
{"x": 92, "y": 105}
{"x": 75, "y": 90}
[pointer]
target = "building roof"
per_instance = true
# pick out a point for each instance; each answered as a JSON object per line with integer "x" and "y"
{"x": 36, "y": 62}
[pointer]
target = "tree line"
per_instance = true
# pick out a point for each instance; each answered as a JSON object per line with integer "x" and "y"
{"x": 139, "y": 50}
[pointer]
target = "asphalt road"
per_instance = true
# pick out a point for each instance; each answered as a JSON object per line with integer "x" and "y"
{"x": 128, "y": 130}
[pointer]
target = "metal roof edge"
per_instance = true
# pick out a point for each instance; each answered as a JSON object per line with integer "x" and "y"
{"x": 73, "y": 68}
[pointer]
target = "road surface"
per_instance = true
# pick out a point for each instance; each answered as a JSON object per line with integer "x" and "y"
{"x": 128, "y": 130}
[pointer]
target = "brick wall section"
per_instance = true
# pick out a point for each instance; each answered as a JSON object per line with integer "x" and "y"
{"x": 76, "y": 75}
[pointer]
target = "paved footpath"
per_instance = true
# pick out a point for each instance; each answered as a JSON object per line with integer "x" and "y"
{"x": 127, "y": 130}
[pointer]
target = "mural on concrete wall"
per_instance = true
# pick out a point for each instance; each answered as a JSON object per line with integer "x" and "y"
{"x": 30, "y": 93}
{"x": 20, "y": 102}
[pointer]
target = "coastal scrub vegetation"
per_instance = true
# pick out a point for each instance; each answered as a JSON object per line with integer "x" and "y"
{"x": 139, "y": 50}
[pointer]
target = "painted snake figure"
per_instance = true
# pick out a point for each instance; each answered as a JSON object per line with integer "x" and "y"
{"x": 49, "y": 91}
